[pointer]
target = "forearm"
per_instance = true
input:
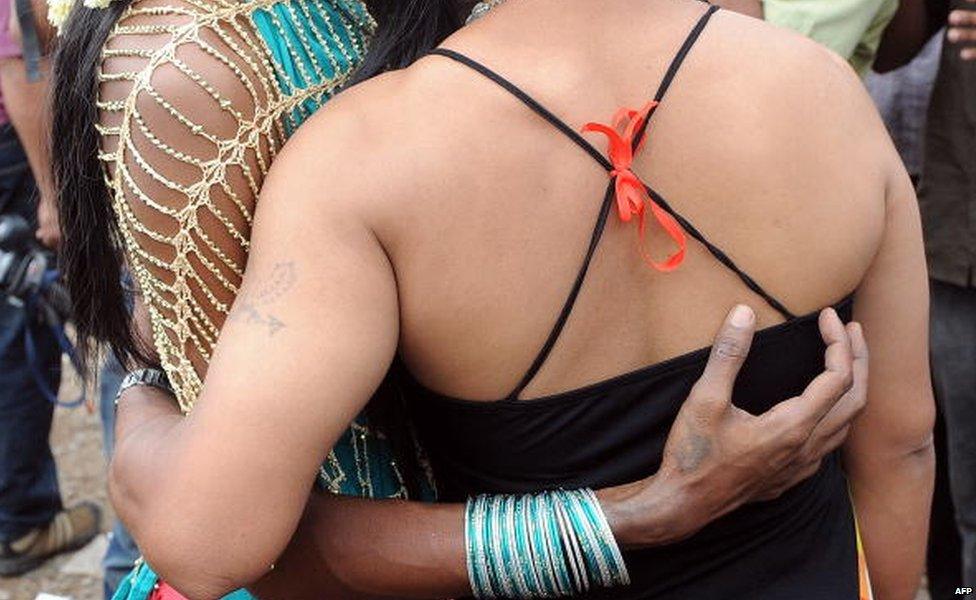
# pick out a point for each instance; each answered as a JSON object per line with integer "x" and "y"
{"x": 361, "y": 548}
{"x": 904, "y": 37}
{"x": 149, "y": 477}
{"x": 892, "y": 497}
{"x": 25, "y": 104}
{"x": 205, "y": 532}
{"x": 344, "y": 547}
{"x": 141, "y": 462}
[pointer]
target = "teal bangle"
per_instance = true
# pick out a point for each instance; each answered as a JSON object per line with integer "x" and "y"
{"x": 556, "y": 547}
{"x": 543, "y": 557}
{"x": 552, "y": 544}
{"x": 523, "y": 540}
{"x": 592, "y": 548}
{"x": 498, "y": 554}
{"x": 577, "y": 568}
{"x": 608, "y": 543}
{"x": 474, "y": 542}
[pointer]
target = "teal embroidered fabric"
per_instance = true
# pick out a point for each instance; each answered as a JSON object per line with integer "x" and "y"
{"x": 308, "y": 50}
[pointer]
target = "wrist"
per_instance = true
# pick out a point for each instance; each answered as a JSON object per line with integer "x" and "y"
{"x": 651, "y": 512}
{"x": 140, "y": 406}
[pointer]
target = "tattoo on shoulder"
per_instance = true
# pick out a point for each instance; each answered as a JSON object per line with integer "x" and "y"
{"x": 252, "y": 306}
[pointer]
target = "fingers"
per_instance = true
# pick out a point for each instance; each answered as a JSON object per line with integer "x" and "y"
{"x": 961, "y": 34}
{"x": 854, "y": 401}
{"x": 801, "y": 474}
{"x": 48, "y": 239}
{"x": 859, "y": 349}
{"x": 732, "y": 343}
{"x": 962, "y": 29}
{"x": 796, "y": 418}
{"x": 831, "y": 432}
{"x": 835, "y": 441}
{"x": 961, "y": 19}
{"x": 828, "y": 388}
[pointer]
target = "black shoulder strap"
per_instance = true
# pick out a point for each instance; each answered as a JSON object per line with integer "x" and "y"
{"x": 605, "y": 209}
{"x": 679, "y": 57}
{"x": 676, "y": 63}
{"x": 608, "y": 199}
{"x": 529, "y": 101}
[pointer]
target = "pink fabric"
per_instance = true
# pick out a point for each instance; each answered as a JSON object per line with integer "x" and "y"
{"x": 8, "y": 47}
{"x": 164, "y": 592}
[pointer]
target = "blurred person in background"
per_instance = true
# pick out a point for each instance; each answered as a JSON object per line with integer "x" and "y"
{"x": 122, "y": 553}
{"x": 34, "y": 525}
{"x": 947, "y": 199}
{"x": 851, "y": 28}
{"x": 901, "y": 86}
{"x": 947, "y": 196}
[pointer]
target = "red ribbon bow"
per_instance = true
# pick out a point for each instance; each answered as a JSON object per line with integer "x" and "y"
{"x": 629, "y": 190}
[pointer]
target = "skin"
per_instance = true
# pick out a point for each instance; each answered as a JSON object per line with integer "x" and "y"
{"x": 817, "y": 204}
{"x": 913, "y": 25}
{"x": 29, "y": 117}
{"x": 904, "y": 37}
{"x": 717, "y": 459}
{"x": 752, "y": 8}
{"x": 962, "y": 31}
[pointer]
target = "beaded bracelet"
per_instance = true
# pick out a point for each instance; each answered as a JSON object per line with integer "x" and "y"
{"x": 545, "y": 545}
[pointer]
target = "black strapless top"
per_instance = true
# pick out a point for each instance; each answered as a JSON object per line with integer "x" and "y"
{"x": 800, "y": 546}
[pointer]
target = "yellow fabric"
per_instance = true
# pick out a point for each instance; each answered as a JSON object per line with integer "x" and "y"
{"x": 193, "y": 112}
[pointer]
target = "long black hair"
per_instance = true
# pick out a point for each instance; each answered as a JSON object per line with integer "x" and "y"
{"x": 92, "y": 254}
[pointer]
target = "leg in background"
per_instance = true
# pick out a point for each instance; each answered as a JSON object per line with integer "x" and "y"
{"x": 121, "y": 554}
{"x": 954, "y": 378}
{"x": 33, "y": 523}
{"x": 944, "y": 559}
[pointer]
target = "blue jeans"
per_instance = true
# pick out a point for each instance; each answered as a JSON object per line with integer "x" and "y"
{"x": 954, "y": 379}
{"x": 122, "y": 552}
{"x": 29, "y": 494}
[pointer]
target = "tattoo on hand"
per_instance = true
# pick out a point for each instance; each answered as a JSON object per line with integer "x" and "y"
{"x": 692, "y": 451}
{"x": 249, "y": 307}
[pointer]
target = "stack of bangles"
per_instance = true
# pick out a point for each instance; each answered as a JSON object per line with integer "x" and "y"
{"x": 543, "y": 545}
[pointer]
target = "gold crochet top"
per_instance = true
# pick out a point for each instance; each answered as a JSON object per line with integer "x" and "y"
{"x": 196, "y": 98}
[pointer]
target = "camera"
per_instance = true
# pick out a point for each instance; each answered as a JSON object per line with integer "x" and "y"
{"x": 28, "y": 272}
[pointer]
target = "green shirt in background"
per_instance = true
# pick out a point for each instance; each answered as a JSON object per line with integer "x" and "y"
{"x": 851, "y": 28}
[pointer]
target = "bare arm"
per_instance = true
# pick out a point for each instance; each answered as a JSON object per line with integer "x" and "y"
{"x": 239, "y": 469}
{"x": 25, "y": 102}
{"x": 889, "y": 456}
{"x": 905, "y": 36}
{"x": 357, "y": 548}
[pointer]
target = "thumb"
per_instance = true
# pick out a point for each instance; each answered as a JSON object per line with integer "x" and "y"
{"x": 729, "y": 351}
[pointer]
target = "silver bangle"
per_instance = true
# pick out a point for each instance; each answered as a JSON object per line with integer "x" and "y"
{"x": 152, "y": 377}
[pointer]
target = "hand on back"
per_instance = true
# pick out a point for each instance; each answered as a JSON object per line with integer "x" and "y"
{"x": 719, "y": 457}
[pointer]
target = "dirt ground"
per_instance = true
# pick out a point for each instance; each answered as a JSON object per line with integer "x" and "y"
{"x": 77, "y": 443}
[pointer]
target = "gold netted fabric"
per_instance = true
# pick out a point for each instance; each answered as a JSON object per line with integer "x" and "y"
{"x": 196, "y": 98}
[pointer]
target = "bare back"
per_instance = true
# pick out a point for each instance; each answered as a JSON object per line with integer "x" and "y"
{"x": 429, "y": 213}
{"x": 489, "y": 208}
